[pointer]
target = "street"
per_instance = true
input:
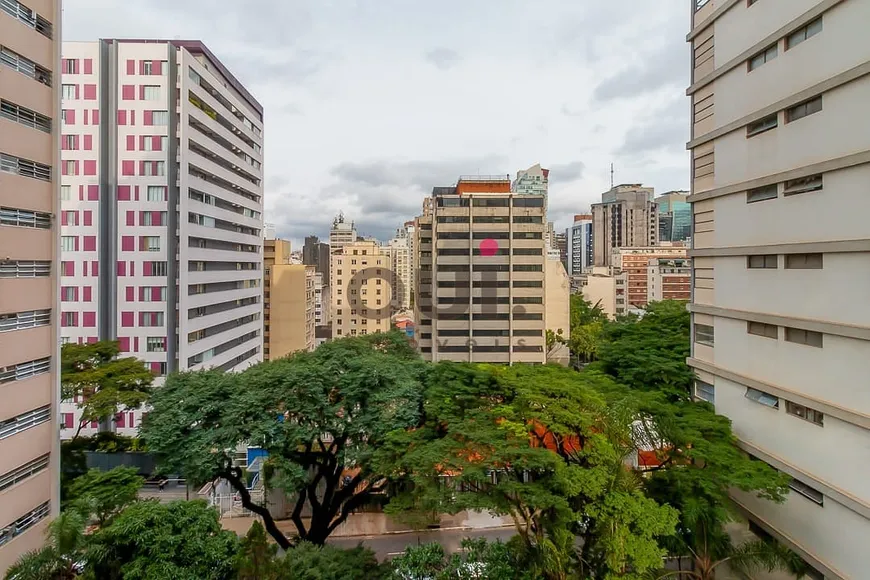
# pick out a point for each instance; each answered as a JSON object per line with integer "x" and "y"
{"x": 389, "y": 545}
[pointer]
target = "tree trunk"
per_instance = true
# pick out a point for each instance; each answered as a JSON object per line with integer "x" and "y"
{"x": 234, "y": 476}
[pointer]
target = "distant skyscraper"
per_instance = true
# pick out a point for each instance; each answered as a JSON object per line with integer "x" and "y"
{"x": 626, "y": 216}
{"x": 534, "y": 180}
{"x": 675, "y": 216}
{"x": 341, "y": 234}
{"x": 316, "y": 253}
{"x": 579, "y": 245}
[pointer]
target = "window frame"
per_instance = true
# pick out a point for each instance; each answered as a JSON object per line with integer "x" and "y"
{"x": 804, "y": 109}
{"x": 809, "y": 415}
{"x": 762, "y": 125}
{"x": 809, "y": 337}
{"x": 765, "y": 262}
{"x": 763, "y": 193}
{"x": 758, "y": 396}
{"x": 712, "y": 334}
{"x": 765, "y": 57}
{"x": 764, "y": 330}
{"x": 809, "y": 261}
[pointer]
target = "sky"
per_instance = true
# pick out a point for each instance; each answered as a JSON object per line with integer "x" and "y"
{"x": 370, "y": 103}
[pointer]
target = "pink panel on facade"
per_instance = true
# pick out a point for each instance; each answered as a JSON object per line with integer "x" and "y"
{"x": 122, "y": 117}
{"x": 84, "y": 268}
{"x": 124, "y": 343}
{"x": 85, "y": 117}
{"x": 68, "y": 420}
{"x": 128, "y": 92}
{"x": 95, "y": 116}
{"x": 156, "y": 294}
{"x": 93, "y": 339}
{"x": 88, "y": 141}
{"x": 75, "y": 319}
{"x": 64, "y": 219}
{"x": 131, "y": 420}
{"x": 124, "y": 192}
{"x": 132, "y": 117}
{"x": 69, "y": 268}
{"x": 88, "y": 66}
{"x": 142, "y": 142}
{"x": 122, "y": 268}
{"x": 155, "y": 368}
{"x": 87, "y": 294}
{"x": 89, "y": 319}
{"x": 88, "y": 218}
{"x": 141, "y": 92}
{"x": 127, "y": 319}
{"x": 69, "y": 117}
{"x": 93, "y": 193}
{"x": 121, "y": 420}
{"x": 136, "y": 192}
{"x": 146, "y": 268}
{"x": 142, "y": 168}
{"x": 90, "y": 167}
{"x": 81, "y": 192}
{"x": 131, "y": 142}
{"x": 156, "y": 143}
{"x": 128, "y": 168}
{"x": 90, "y": 243}
{"x": 132, "y": 268}
{"x": 77, "y": 92}
{"x": 131, "y": 294}
{"x": 90, "y": 92}
{"x": 128, "y": 243}
{"x": 131, "y": 218}
{"x": 136, "y": 343}
{"x": 131, "y": 66}
{"x": 147, "y": 118}
{"x": 94, "y": 424}
{"x": 157, "y": 67}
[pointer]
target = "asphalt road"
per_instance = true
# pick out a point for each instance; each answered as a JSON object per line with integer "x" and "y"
{"x": 389, "y": 545}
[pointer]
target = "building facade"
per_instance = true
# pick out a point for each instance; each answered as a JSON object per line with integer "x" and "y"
{"x": 669, "y": 279}
{"x": 30, "y": 124}
{"x": 675, "y": 216}
{"x": 275, "y": 252}
{"x": 290, "y": 310}
{"x": 361, "y": 293}
{"x": 481, "y": 279}
{"x": 631, "y": 267}
{"x": 341, "y": 234}
{"x": 162, "y": 202}
{"x": 780, "y": 143}
{"x": 316, "y": 253}
{"x": 626, "y": 216}
{"x": 401, "y": 265}
{"x": 534, "y": 180}
{"x": 579, "y": 242}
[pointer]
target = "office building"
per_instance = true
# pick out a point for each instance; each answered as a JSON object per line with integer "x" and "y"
{"x": 275, "y": 251}
{"x": 321, "y": 300}
{"x": 481, "y": 279}
{"x": 780, "y": 143}
{"x": 162, "y": 202}
{"x": 289, "y": 310}
{"x": 29, "y": 258}
{"x": 316, "y": 253}
{"x": 669, "y": 279}
{"x": 361, "y": 294}
{"x": 675, "y": 216}
{"x": 341, "y": 234}
{"x": 534, "y": 180}
{"x": 631, "y": 267}
{"x": 626, "y": 216}
{"x": 579, "y": 245}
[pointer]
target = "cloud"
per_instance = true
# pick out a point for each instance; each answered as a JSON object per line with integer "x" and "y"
{"x": 565, "y": 172}
{"x": 443, "y": 58}
{"x": 665, "y": 129}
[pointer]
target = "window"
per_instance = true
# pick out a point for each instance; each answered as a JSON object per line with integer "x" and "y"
{"x": 68, "y": 91}
{"x": 25, "y": 116}
{"x": 767, "y": 261}
{"x": 151, "y": 243}
{"x": 65, "y": 192}
{"x": 155, "y": 344}
{"x": 803, "y": 185}
{"x": 761, "y": 329}
{"x": 808, "y": 31}
{"x": 705, "y": 391}
{"x": 154, "y": 168}
{"x": 152, "y": 218}
{"x": 150, "y": 92}
{"x": 150, "y": 319}
{"x": 35, "y": 515}
{"x": 760, "y": 126}
{"x": 806, "y": 337}
{"x": 24, "y": 167}
{"x": 766, "y": 55}
{"x": 22, "y": 422}
{"x": 68, "y": 243}
{"x": 805, "y": 413}
{"x": 762, "y": 398}
{"x": 10, "y": 216}
{"x": 160, "y": 118}
{"x": 25, "y": 269}
{"x": 804, "y": 261}
{"x": 68, "y": 319}
{"x": 704, "y": 334}
{"x": 149, "y": 143}
{"x": 804, "y": 109}
{"x": 21, "y": 371}
{"x": 25, "y": 66}
{"x": 156, "y": 268}
{"x": 21, "y": 473}
{"x": 762, "y": 193}
{"x": 808, "y": 492}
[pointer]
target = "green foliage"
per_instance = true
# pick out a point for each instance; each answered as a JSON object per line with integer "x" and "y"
{"x": 182, "y": 540}
{"x": 105, "y": 493}
{"x": 478, "y": 559}
{"x": 311, "y": 562}
{"x": 650, "y": 353}
{"x": 73, "y": 462}
{"x": 256, "y": 557}
{"x": 587, "y": 324}
{"x": 320, "y": 416}
{"x": 106, "y": 383}
{"x": 63, "y": 551}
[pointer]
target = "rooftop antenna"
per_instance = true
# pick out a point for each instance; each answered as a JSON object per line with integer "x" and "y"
{"x": 611, "y": 175}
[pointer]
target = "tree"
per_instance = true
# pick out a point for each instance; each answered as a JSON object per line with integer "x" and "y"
{"x": 104, "y": 383}
{"x": 308, "y": 561}
{"x": 256, "y": 557}
{"x": 587, "y": 323}
{"x": 539, "y": 444}
{"x": 478, "y": 559}
{"x": 319, "y": 415}
{"x": 148, "y": 540}
{"x": 105, "y": 493}
{"x": 62, "y": 555}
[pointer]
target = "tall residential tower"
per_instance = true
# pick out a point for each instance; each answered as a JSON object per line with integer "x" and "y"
{"x": 780, "y": 142}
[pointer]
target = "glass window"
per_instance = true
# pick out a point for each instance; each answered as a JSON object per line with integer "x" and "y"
{"x": 761, "y": 329}
{"x": 761, "y": 397}
{"x": 762, "y": 193}
{"x": 768, "y": 261}
{"x": 804, "y": 261}
{"x": 806, "y": 337}
{"x": 151, "y": 92}
{"x": 804, "y": 109}
{"x": 808, "y": 31}
{"x": 704, "y": 334}
{"x": 806, "y": 413}
{"x": 762, "y": 57}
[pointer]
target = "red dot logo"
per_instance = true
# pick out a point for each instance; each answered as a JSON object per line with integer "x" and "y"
{"x": 488, "y": 247}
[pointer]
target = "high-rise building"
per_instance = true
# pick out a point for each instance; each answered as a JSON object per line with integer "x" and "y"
{"x": 162, "y": 201}
{"x": 780, "y": 143}
{"x": 675, "y": 216}
{"x": 481, "y": 278}
{"x": 290, "y": 310}
{"x": 534, "y": 180}
{"x": 626, "y": 216}
{"x": 561, "y": 246}
{"x": 361, "y": 294}
{"x": 275, "y": 251}
{"x": 630, "y": 266}
{"x": 341, "y": 234}
{"x": 579, "y": 245}
{"x": 399, "y": 251}
{"x": 29, "y": 258}
{"x": 316, "y": 253}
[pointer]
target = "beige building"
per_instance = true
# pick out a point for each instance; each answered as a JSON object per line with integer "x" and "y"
{"x": 626, "y": 216}
{"x": 289, "y": 302}
{"x": 557, "y": 307}
{"x": 342, "y": 233}
{"x": 361, "y": 292}
{"x": 30, "y": 70}
{"x": 399, "y": 251}
{"x": 599, "y": 287}
{"x": 481, "y": 284}
{"x": 780, "y": 142}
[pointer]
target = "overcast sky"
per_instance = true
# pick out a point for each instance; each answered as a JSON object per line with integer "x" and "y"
{"x": 371, "y": 103}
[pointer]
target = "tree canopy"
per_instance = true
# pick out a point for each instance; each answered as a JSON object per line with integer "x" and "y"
{"x": 105, "y": 493}
{"x": 319, "y": 415}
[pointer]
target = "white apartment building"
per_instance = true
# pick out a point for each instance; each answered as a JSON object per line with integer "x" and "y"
{"x": 780, "y": 144}
{"x": 399, "y": 250}
{"x": 534, "y": 180}
{"x": 579, "y": 244}
{"x": 162, "y": 207}
{"x": 341, "y": 234}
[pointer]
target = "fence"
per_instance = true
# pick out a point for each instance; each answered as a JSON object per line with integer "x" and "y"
{"x": 230, "y": 505}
